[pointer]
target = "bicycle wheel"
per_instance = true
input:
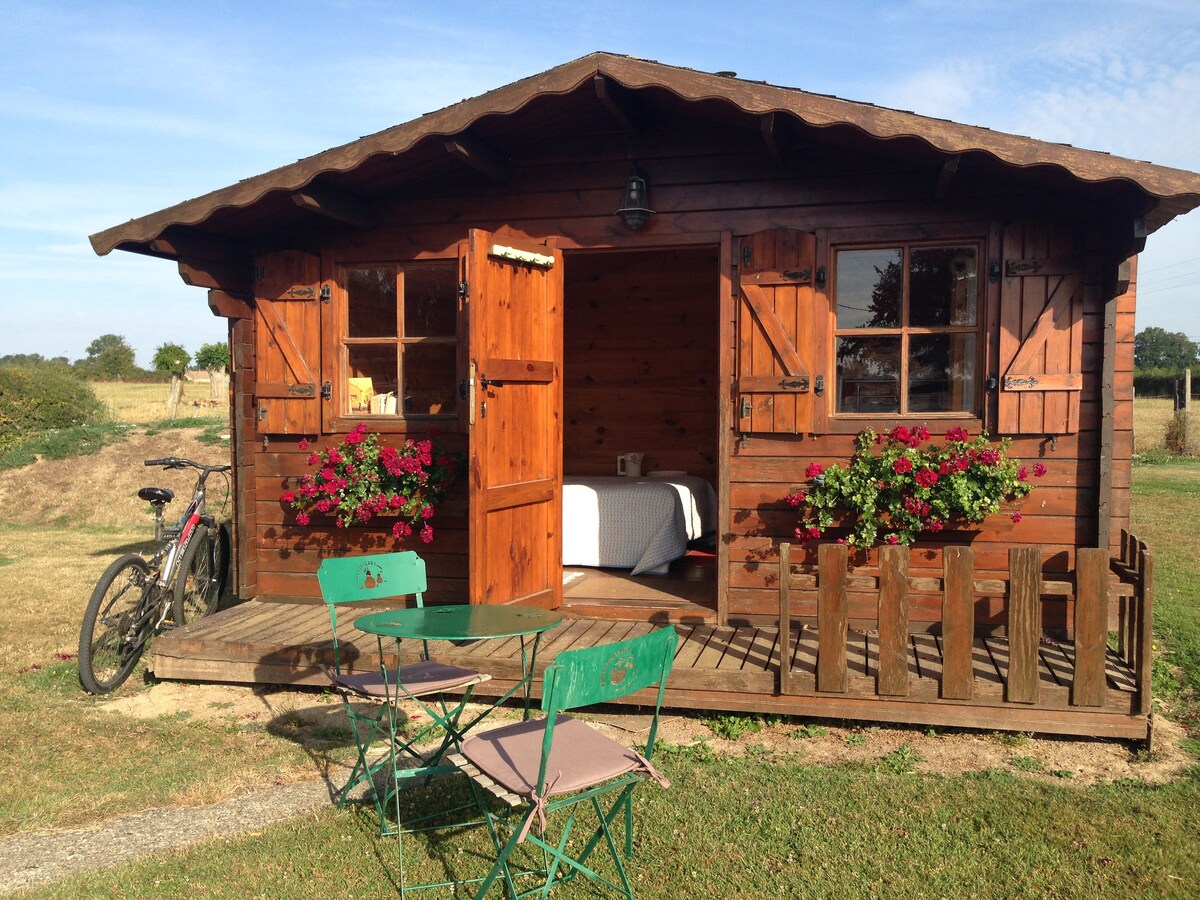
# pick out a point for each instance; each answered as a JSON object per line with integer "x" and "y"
{"x": 198, "y": 584}
{"x": 114, "y": 632}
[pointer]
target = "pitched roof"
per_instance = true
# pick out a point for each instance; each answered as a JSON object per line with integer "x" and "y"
{"x": 1176, "y": 191}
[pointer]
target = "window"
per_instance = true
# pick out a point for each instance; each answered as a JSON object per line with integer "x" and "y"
{"x": 907, "y": 330}
{"x": 400, "y": 345}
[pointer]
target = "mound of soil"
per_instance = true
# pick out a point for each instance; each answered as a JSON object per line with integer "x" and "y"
{"x": 102, "y": 489}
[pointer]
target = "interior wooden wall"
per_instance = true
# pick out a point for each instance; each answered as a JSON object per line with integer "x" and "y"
{"x": 640, "y": 360}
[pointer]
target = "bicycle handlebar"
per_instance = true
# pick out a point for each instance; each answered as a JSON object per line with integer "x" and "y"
{"x": 178, "y": 462}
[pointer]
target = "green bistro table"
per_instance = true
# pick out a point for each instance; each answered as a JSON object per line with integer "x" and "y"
{"x": 461, "y": 623}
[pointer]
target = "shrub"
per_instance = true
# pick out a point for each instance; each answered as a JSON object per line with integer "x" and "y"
{"x": 43, "y": 399}
{"x": 1176, "y": 437}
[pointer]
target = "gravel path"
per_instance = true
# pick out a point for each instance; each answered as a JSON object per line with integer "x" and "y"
{"x": 30, "y": 860}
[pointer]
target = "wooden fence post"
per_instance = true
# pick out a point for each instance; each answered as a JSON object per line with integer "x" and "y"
{"x": 1091, "y": 626}
{"x": 892, "y": 678}
{"x": 785, "y": 618}
{"x": 1024, "y": 623}
{"x": 958, "y": 623}
{"x": 832, "y": 625}
{"x": 1144, "y": 627}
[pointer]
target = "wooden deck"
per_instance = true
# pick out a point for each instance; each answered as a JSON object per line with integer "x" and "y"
{"x": 718, "y": 668}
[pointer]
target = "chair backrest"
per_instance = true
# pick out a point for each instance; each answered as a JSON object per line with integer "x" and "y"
{"x": 609, "y": 671}
{"x": 602, "y": 674}
{"x": 355, "y": 579}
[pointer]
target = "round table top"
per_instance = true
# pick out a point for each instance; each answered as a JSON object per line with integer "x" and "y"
{"x": 459, "y": 623}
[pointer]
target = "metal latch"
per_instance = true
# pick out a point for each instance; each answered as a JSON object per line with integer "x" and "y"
{"x": 326, "y": 293}
{"x": 327, "y": 391}
{"x": 819, "y": 386}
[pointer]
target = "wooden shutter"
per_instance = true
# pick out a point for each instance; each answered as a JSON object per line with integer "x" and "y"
{"x": 287, "y": 342}
{"x": 779, "y": 375}
{"x": 1041, "y": 337}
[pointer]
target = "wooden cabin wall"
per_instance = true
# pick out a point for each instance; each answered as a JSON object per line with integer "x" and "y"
{"x": 640, "y": 361}
{"x": 707, "y": 180}
{"x": 1060, "y": 515}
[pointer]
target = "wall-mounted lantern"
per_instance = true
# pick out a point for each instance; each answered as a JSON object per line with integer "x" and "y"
{"x": 635, "y": 208}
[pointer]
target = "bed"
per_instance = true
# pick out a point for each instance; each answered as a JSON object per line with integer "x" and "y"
{"x": 640, "y": 524}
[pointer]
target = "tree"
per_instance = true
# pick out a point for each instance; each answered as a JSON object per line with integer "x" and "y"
{"x": 108, "y": 356}
{"x": 214, "y": 358}
{"x": 174, "y": 359}
{"x": 1156, "y": 348}
{"x": 171, "y": 358}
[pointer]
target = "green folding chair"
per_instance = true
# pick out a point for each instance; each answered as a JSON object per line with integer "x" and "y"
{"x": 359, "y": 579}
{"x": 546, "y": 766}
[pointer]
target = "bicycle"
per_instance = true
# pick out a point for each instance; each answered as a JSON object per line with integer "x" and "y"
{"x": 133, "y": 599}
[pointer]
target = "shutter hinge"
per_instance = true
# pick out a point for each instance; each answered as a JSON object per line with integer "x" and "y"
{"x": 821, "y": 278}
{"x": 747, "y": 255}
{"x": 464, "y": 290}
{"x": 327, "y": 391}
{"x": 326, "y": 293}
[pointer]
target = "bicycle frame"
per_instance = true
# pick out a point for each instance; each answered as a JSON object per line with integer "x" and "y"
{"x": 173, "y": 540}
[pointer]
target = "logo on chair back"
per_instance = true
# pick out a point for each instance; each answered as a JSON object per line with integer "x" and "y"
{"x": 370, "y": 575}
{"x": 618, "y": 667}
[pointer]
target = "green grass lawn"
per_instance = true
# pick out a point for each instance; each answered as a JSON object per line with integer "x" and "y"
{"x": 756, "y": 825}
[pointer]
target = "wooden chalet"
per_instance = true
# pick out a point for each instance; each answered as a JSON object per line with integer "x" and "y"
{"x": 472, "y": 263}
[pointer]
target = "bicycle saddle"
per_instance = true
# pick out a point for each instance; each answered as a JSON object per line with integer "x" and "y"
{"x": 156, "y": 496}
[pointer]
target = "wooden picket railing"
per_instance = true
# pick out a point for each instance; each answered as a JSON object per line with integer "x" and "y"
{"x": 1098, "y": 579}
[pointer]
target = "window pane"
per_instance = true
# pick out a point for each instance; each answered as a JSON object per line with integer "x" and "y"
{"x": 943, "y": 287}
{"x": 430, "y": 300}
{"x": 429, "y": 384}
{"x": 868, "y": 288}
{"x": 868, "y": 374}
{"x": 941, "y": 373}
{"x": 371, "y": 298}
{"x": 372, "y": 374}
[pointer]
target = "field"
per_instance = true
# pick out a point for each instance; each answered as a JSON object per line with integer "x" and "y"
{"x": 138, "y": 403}
{"x": 1151, "y": 415}
{"x": 757, "y": 808}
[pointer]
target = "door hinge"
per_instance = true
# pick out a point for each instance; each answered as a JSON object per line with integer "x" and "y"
{"x": 464, "y": 290}
{"x": 326, "y": 293}
{"x": 327, "y": 391}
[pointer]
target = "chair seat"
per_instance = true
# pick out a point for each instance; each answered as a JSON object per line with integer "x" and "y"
{"x": 580, "y": 757}
{"x": 425, "y": 677}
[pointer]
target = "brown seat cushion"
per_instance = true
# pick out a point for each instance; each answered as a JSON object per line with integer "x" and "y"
{"x": 425, "y": 677}
{"x": 580, "y": 757}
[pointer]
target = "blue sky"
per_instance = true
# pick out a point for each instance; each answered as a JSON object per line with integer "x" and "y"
{"x": 112, "y": 110}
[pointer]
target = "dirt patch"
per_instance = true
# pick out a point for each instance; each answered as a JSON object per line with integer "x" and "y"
{"x": 101, "y": 489}
{"x": 308, "y": 715}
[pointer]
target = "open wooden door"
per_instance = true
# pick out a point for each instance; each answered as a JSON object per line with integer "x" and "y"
{"x": 514, "y": 303}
